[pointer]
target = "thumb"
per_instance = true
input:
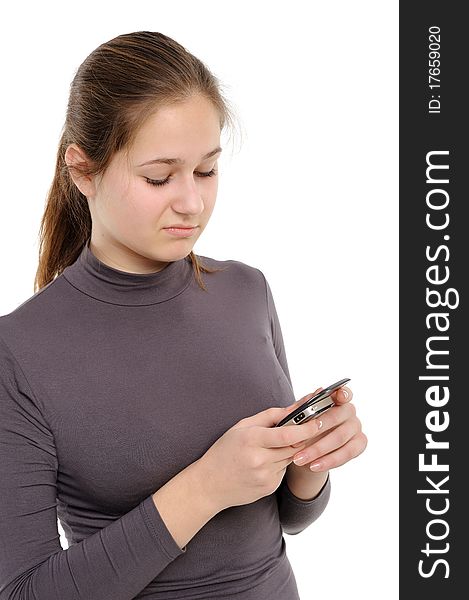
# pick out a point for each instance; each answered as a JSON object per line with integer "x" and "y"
{"x": 297, "y": 403}
{"x": 291, "y": 407}
{"x": 266, "y": 418}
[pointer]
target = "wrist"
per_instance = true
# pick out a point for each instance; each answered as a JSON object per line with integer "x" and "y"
{"x": 303, "y": 483}
{"x": 202, "y": 482}
{"x": 183, "y": 505}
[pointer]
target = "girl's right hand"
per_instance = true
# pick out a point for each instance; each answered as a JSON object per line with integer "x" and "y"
{"x": 250, "y": 459}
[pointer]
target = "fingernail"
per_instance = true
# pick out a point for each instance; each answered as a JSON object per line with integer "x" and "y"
{"x": 315, "y": 466}
{"x": 300, "y": 459}
{"x": 345, "y": 393}
{"x": 319, "y": 424}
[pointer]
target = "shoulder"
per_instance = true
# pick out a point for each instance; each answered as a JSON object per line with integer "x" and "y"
{"x": 34, "y": 299}
{"x": 33, "y": 313}
{"x": 235, "y": 271}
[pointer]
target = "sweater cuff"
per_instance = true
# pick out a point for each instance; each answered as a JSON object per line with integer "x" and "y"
{"x": 158, "y": 528}
{"x": 295, "y": 513}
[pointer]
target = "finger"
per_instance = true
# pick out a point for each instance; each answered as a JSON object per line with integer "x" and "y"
{"x": 335, "y": 416}
{"x": 277, "y": 437}
{"x": 339, "y": 415}
{"x": 330, "y": 419}
{"x": 343, "y": 395}
{"x": 335, "y": 439}
{"x": 350, "y": 450}
{"x": 280, "y": 455}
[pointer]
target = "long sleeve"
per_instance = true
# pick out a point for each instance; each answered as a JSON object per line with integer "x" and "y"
{"x": 116, "y": 562}
{"x": 295, "y": 514}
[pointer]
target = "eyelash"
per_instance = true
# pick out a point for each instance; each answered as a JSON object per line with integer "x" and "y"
{"x": 165, "y": 181}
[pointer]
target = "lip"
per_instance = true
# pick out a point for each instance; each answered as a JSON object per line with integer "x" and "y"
{"x": 180, "y": 226}
{"x": 180, "y": 231}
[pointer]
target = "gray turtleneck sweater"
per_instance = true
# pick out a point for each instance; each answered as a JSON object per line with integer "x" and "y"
{"x": 110, "y": 384}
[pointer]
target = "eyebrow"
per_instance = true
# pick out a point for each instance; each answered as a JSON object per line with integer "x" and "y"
{"x": 179, "y": 161}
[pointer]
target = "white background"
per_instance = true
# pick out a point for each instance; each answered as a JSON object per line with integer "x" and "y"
{"x": 308, "y": 195}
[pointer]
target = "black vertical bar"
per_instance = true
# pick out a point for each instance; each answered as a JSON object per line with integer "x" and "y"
{"x": 434, "y": 268}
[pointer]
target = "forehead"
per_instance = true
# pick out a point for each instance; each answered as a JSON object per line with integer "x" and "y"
{"x": 186, "y": 130}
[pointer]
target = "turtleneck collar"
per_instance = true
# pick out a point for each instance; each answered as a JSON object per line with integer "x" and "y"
{"x": 100, "y": 281}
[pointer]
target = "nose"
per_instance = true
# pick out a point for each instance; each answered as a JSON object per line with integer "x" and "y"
{"x": 188, "y": 198}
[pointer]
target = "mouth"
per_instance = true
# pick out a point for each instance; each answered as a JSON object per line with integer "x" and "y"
{"x": 179, "y": 228}
{"x": 181, "y": 231}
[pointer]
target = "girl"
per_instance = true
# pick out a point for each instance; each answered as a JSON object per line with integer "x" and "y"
{"x": 141, "y": 383}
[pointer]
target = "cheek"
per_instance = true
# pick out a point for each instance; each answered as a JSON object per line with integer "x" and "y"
{"x": 140, "y": 207}
{"x": 210, "y": 197}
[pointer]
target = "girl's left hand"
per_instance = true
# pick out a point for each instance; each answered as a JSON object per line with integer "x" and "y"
{"x": 340, "y": 437}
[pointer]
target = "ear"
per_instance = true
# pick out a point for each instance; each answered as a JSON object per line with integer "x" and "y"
{"x": 74, "y": 158}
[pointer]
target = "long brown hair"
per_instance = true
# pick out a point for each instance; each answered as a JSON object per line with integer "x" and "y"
{"x": 114, "y": 91}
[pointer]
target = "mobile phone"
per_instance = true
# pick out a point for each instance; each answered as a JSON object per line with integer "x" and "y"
{"x": 313, "y": 407}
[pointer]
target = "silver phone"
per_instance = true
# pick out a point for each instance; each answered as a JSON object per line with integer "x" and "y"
{"x": 313, "y": 407}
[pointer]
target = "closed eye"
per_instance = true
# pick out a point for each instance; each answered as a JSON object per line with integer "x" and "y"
{"x": 165, "y": 181}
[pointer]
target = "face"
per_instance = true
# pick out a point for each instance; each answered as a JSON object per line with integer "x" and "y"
{"x": 130, "y": 210}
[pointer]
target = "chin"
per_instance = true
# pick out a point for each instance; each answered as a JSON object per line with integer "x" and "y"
{"x": 172, "y": 256}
